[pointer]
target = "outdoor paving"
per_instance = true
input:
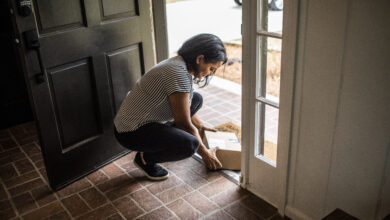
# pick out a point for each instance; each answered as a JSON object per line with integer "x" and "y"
{"x": 221, "y": 106}
{"x": 118, "y": 190}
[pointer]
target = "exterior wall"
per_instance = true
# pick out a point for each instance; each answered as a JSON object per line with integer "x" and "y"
{"x": 341, "y": 123}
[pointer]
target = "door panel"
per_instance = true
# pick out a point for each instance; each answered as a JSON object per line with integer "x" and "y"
{"x": 58, "y": 15}
{"x": 124, "y": 68}
{"x": 93, "y": 52}
{"x": 121, "y": 8}
{"x": 70, "y": 82}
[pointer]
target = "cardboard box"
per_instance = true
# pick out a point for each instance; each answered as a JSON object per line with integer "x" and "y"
{"x": 229, "y": 152}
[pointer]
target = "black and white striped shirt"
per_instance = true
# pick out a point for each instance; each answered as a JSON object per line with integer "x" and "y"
{"x": 148, "y": 101}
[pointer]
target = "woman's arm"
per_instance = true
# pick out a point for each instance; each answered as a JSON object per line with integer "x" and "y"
{"x": 181, "y": 113}
{"x": 200, "y": 126}
{"x": 196, "y": 121}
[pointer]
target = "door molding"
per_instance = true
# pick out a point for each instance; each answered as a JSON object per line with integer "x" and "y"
{"x": 287, "y": 88}
{"x": 160, "y": 29}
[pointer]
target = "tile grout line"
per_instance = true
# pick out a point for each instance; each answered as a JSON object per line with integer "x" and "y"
{"x": 10, "y": 200}
{"x": 19, "y": 184}
{"x": 6, "y": 188}
{"x": 135, "y": 202}
{"x": 197, "y": 190}
{"x": 250, "y": 209}
{"x": 39, "y": 206}
{"x": 207, "y": 198}
{"x": 145, "y": 188}
{"x": 82, "y": 198}
{"x": 104, "y": 204}
{"x": 163, "y": 204}
{"x": 158, "y": 199}
{"x": 158, "y": 207}
{"x": 104, "y": 173}
{"x": 46, "y": 184}
{"x": 129, "y": 194}
{"x": 198, "y": 211}
{"x": 105, "y": 196}
{"x": 219, "y": 210}
{"x": 20, "y": 148}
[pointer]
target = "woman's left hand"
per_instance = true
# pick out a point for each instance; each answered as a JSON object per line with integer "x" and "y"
{"x": 210, "y": 159}
{"x": 203, "y": 128}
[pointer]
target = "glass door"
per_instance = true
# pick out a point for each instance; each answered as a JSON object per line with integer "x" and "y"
{"x": 267, "y": 96}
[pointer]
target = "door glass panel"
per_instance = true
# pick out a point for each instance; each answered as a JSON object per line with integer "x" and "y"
{"x": 269, "y": 47}
{"x": 271, "y": 132}
{"x": 268, "y": 132}
{"x": 270, "y": 59}
{"x": 271, "y": 16}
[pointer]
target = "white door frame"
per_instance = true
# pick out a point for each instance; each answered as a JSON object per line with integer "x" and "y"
{"x": 273, "y": 188}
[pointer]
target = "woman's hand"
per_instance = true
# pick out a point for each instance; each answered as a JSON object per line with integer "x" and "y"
{"x": 203, "y": 128}
{"x": 210, "y": 159}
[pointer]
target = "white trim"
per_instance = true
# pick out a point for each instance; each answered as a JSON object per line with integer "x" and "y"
{"x": 294, "y": 213}
{"x": 226, "y": 85}
{"x": 248, "y": 16}
{"x": 288, "y": 70}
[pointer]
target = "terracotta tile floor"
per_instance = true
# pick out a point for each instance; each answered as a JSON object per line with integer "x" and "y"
{"x": 116, "y": 191}
{"x": 219, "y": 106}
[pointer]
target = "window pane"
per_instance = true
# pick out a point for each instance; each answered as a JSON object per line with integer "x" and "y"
{"x": 268, "y": 141}
{"x": 269, "y": 75}
{"x": 271, "y": 16}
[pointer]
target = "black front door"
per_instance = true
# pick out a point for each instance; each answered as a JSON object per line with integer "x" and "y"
{"x": 88, "y": 54}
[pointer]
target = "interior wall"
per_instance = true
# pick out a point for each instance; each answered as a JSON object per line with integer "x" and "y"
{"x": 14, "y": 103}
{"x": 341, "y": 123}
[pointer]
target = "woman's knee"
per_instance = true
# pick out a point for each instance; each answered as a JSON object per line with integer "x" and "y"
{"x": 191, "y": 146}
{"x": 197, "y": 99}
{"x": 196, "y": 103}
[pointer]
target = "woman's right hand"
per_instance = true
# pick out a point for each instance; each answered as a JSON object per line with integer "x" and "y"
{"x": 210, "y": 159}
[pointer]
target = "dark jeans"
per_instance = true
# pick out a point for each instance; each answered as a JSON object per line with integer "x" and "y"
{"x": 162, "y": 142}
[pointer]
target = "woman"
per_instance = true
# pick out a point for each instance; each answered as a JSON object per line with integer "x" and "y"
{"x": 158, "y": 117}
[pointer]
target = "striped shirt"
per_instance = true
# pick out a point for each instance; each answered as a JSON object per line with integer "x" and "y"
{"x": 148, "y": 101}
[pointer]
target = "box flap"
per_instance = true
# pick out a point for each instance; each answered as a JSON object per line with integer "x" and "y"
{"x": 223, "y": 140}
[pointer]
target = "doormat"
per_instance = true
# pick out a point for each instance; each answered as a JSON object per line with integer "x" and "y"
{"x": 270, "y": 149}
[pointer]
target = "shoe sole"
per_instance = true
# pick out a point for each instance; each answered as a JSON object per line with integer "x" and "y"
{"x": 151, "y": 177}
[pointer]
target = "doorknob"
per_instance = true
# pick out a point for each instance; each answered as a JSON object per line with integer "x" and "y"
{"x": 32, "y": 42}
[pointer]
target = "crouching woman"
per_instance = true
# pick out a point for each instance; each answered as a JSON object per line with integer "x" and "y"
{"x": 158, "y": 117}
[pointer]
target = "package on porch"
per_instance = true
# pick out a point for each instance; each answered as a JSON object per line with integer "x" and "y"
{"x": 229, "y": 152}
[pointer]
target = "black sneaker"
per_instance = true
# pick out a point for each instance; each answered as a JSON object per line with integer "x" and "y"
{"x": 152, "y": 171}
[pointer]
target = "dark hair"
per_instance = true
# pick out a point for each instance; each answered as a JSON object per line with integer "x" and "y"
{"x": 208, "y": 45}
